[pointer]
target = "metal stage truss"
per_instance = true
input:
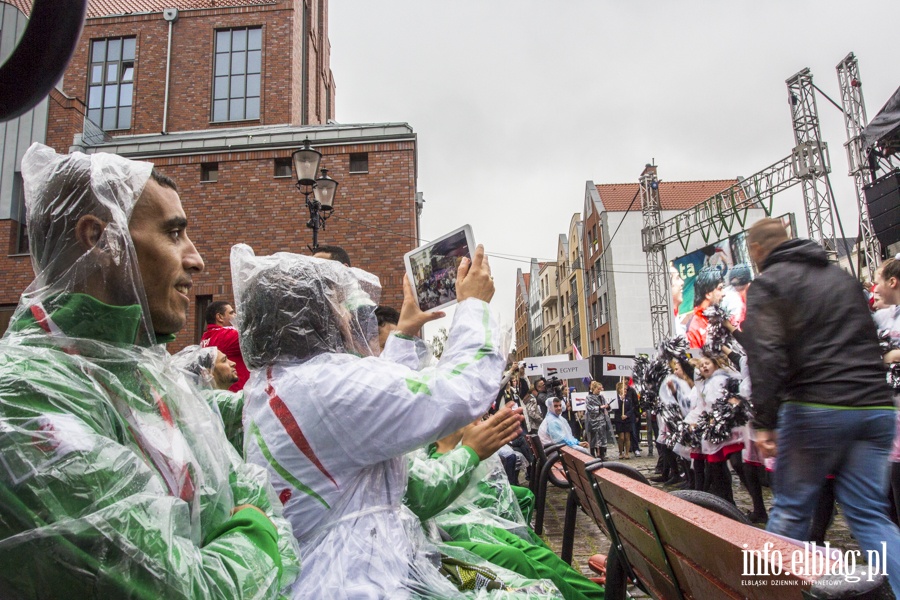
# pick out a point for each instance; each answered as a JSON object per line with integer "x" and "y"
{"x": 808, "y": 164}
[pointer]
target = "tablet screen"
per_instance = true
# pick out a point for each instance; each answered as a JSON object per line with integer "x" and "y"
{"x": 434, "y": 270}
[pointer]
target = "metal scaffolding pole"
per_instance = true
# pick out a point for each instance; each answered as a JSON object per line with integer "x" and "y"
{"x": 812, "y": 163}
{"x": 657, "y": 269}
{"x": 854, "y": 122}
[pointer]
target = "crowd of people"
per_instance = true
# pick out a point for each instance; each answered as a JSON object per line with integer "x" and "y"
{"x": 312, "y": 446}
{"x": 437, "y": 286}
{"x": 348, "y": 463}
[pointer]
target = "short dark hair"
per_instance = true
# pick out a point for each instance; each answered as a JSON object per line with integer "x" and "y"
{"x": 707, "y": 280}
{"x": 740, "y": 274}
{"x": 216, "y": 308}
{"x": 337, "y": 253}
{"x": 890, "y": 268}
{"x": 386, "y": 314}
{"x": 163, "y": 180}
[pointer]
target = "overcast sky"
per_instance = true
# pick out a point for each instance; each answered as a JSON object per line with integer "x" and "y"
{"x": 517, "y": 103}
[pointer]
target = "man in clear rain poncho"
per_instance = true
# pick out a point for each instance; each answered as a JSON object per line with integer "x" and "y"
{"x": 556, "y": 429}
{"x": 117, "y": 479}
{"x": 459, "y": 486}
{"x": 332, "y": 422}
{"x": 213, "y": 373}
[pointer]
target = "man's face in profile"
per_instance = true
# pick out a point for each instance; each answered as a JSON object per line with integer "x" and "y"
{"x": 715, "y": 296}
{"x": 166, "y": 256}
{"x": 228, "y": 316}
{"x": 384, "y": 331}
{"x": 224, "y": 372}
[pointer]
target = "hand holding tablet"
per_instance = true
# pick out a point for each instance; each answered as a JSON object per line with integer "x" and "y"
{"x": 433, "y": 270}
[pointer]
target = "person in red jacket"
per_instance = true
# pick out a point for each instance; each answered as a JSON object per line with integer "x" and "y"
{"x": 707, "y": 292}
{"x": 221, "y": 333}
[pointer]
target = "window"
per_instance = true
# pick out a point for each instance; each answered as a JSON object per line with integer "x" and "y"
{"x": 201, "y": 303}
{"x": 6, "y": 313}
{"x": 111, "y": 83}
{"x": 283, "y": 167}
{"x": 19, "y": 238}
{"x": 209, "y": 172}
{"x": 359, "y": 162}
{"x": 236, "y": 75}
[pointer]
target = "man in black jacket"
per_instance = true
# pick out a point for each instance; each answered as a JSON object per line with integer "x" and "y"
{"x": 818, "y": 390}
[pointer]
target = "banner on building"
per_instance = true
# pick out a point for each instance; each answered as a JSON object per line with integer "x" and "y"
{"x": 569, "y": 369}
{"x": 614, "y": 365}
{"x": 731, "y": 257}
{"x": 533, "y": 364}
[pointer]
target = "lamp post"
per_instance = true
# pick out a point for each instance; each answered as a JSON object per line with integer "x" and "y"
{"x": 321, "y": 188}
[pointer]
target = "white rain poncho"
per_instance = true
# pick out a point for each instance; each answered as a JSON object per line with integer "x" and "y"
{"x": 332, "y": 423}
{"x": 117, "y": 479}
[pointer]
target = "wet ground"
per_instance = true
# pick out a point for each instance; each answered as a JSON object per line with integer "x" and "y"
{"x": 589, "y": 540}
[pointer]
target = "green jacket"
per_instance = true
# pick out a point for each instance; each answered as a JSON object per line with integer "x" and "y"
{"x": 116, "y": 479}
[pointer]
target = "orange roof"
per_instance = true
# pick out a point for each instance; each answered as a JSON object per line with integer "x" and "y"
{"x": 527, "y": 278}
{"x": 102, "y": 8}
{"x": 673, "y": 195}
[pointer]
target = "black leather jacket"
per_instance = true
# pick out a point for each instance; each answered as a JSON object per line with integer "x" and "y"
{"x": 809, "y": 336}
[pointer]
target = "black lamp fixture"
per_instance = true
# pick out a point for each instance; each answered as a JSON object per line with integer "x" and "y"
{"x": 321, "y": 188}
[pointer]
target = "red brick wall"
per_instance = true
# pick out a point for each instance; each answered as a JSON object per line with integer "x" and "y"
{"x": 374, "y": 217}
{"x": 193, "y": 47}
{"x": 16, "y": 269}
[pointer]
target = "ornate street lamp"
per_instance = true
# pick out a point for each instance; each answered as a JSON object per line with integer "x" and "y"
{"x": 321, "y": 188}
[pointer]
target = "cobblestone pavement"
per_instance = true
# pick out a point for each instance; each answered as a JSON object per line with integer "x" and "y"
{"x": 589, "y": 540}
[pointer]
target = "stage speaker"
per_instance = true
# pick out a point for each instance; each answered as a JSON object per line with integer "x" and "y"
{"x": 883, "y": 200}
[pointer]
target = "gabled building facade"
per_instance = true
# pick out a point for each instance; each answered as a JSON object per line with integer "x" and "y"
{"x": 522, "y": 316}
{"x": 534, "y": 308}
{"x": 578, "y": 337}
{"x": 549, "y": 287}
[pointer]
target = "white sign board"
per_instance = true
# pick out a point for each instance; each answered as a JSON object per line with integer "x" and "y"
{"x": 579, "y": 400}
{"x": 611, "y": 398}
{"x": 533, "y": 364}
{"x": 570, "y": 369}
{"x": 614, "y": 365}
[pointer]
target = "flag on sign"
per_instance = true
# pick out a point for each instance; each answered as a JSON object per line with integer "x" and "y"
{"x": 613, "y": 365}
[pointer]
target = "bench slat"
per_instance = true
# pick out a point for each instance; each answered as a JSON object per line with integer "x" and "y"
{"x": 697, "y": 535}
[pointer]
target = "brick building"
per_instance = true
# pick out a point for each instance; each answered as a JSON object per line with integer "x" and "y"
{"x": 522, "y": 316}
{"x": 245, "y": 82}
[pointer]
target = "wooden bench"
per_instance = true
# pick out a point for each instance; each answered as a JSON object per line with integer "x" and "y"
{"x": 546, "y": 469}
{"x": 549, "y": 471}
{"x": 673, "y": 549}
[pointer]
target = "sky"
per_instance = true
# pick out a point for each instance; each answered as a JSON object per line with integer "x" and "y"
{"x": 517, "y": 103}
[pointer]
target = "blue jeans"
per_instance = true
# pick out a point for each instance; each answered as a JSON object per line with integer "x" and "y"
{"x": 854, "y": 446}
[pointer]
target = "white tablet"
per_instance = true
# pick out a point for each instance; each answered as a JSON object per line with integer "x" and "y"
{"x": 432, "y": 268}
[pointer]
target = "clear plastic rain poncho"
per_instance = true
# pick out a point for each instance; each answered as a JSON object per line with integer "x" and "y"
{"x": 198, "y": 363}
{"x": 117, "y": 480}
{"x": 479, "y": 497}
{"x": 332, "y": 424}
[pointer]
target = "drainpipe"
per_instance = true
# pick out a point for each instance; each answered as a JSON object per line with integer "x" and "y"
{"x": 304, "y": 68}
{"x": 170, "y": 15}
